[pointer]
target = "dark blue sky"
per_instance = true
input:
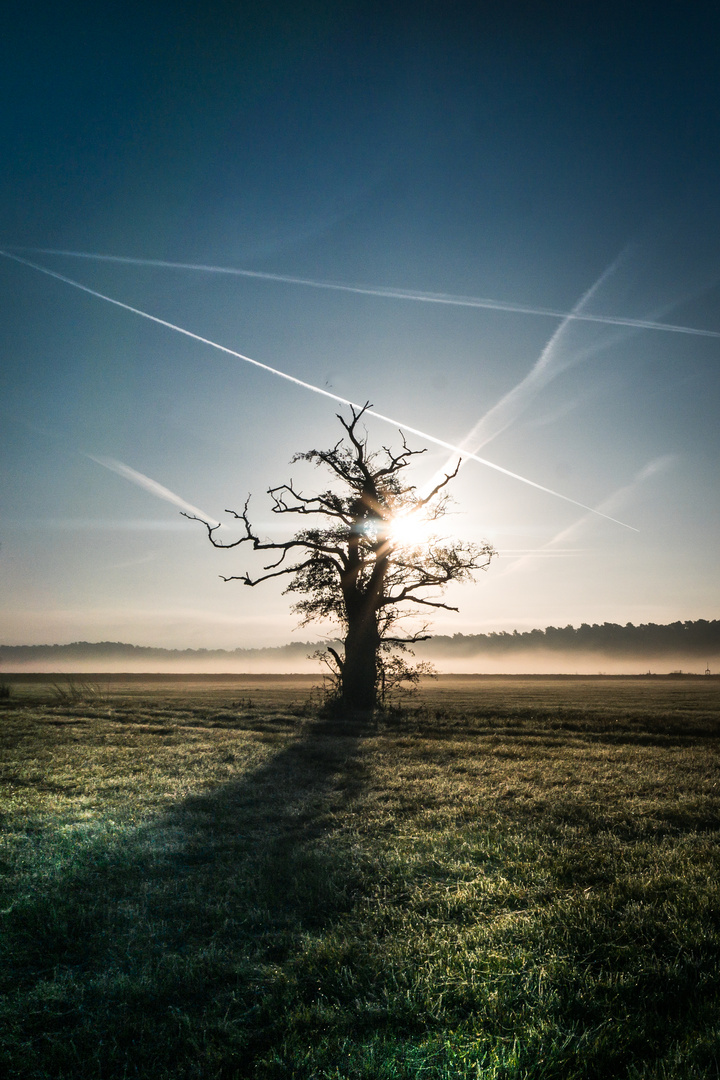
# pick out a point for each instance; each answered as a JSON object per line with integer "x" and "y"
{"x": 197, "y": 131}
{"x": 502, "y": 151}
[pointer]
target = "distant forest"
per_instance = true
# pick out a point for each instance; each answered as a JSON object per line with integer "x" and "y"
{"x": 649, "y": 639}
{"x": 700, "y": 639}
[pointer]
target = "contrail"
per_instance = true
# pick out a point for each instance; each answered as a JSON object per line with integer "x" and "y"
{"x": 150, "y": 485}
{"x": 309, "y": 386}
{"x": 618, "y": 497}
{"x": 622, "y": 495}
{"x": 382, "y": 291}
{"x": 544, "y": 370}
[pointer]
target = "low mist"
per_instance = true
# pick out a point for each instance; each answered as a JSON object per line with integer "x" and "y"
{"x": 606, "y": 649}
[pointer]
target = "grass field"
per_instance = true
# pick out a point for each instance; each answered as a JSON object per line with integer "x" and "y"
{"x": 512, "y": 878}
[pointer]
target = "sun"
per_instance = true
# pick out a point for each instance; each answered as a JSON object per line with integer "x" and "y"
{"x": 409, "y": 530}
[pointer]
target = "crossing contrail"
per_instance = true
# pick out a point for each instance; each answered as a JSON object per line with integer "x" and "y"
{"x": 545, "y": 369}
{"x": 622, "y": 495}
{"x": 310, "y": 386}
{"x": 148, "y": 484}
{"x": 386, "y": 292}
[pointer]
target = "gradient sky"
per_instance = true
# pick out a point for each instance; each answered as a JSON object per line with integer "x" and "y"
{"x": 556, "y": 158}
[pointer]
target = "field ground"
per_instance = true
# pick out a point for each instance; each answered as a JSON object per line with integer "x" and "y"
{"x": 511, "y": 878}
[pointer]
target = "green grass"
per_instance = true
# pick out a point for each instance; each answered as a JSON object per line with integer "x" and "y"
{"x": 513, "y": 879}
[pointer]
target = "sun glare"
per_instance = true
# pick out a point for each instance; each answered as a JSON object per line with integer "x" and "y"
{"x": 409, "y": 530}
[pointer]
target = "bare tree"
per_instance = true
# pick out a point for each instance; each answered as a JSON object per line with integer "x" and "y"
{"x": 362, "y": 566}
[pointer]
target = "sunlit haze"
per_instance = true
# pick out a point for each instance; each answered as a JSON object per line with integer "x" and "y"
{"x": 410, "y": 530}
{"x": 500, "y": 228}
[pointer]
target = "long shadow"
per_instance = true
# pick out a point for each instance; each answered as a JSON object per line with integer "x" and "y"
{"x": 193, "y": 945}
{"x": 166, "y": 956}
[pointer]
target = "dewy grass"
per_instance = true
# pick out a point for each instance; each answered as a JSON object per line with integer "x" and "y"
{"x": 488, "y": 886}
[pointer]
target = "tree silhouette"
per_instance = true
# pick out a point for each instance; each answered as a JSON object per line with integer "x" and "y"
{"x": 363, "y": 565}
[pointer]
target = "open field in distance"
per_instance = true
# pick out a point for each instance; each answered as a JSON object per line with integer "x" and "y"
{"x": 508, "y": 878}
{"x": 645, "y": 692}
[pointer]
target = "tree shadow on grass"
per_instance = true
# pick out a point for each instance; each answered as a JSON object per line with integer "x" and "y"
{"x": 251, "y": 932}
{"x": 165, "y": 950}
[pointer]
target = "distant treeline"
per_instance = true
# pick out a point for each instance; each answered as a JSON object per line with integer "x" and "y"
{"x": 696, "y": 638}
{"x": 120, "y": 650}
{"x": 700, "y": 638}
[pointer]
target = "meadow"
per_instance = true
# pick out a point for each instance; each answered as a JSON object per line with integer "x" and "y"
{"x": 505, "y": 878}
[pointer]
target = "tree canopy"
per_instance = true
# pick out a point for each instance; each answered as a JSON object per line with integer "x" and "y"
{"x": 368, "y": 557}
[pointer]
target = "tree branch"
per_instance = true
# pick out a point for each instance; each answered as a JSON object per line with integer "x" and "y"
{"x": 407, "y": 640}
{"x": 420, "y": 600}
{"x": 441, "y": 485}
{"x": 247, "y": 580}
{"x": 327, "y": 503}
{"x": 335, "y": 656}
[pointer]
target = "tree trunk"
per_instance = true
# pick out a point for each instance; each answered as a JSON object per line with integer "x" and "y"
{"x": 359, "y": 672}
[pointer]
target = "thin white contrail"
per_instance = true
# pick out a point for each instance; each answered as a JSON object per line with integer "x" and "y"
{"x": 546, "y": 368}
{"x": 618, "y": 498}
{"x": 309, "y": 386}
{"x": 621, "y": 496}
{"x": 383, "y": 291}
{"x": 148, "y": 484}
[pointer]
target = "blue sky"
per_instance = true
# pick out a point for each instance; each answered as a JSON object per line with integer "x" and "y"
{"x": 554, "y": 157}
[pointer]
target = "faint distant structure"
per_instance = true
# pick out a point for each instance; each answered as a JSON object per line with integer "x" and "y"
{"x": 707, "y": 669}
